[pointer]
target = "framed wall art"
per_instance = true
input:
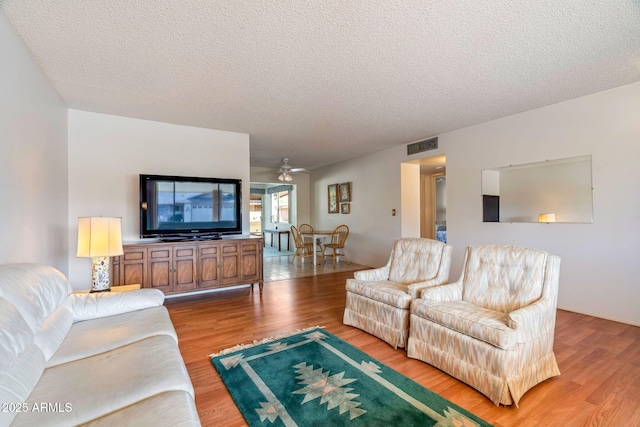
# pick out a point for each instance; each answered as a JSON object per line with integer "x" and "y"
{"x": 333, "y": 198}
{"x": 345, "y": 208}
{"x": 345, "y": 192}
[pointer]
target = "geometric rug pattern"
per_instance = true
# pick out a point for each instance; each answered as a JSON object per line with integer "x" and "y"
{"x": 313, "y": 378}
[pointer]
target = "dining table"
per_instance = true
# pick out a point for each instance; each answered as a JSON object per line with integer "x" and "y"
{"x": 317, "y": 234}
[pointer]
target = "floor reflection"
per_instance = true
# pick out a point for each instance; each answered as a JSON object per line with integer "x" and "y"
{"x": 280, "y": 268}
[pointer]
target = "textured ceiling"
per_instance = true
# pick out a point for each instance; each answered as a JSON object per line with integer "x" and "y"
{"x": 326, "y": 80}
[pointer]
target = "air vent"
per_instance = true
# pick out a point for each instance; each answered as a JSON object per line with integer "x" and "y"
{"x": 424, "y": 145}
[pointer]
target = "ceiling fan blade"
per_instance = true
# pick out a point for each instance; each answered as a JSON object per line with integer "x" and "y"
{"x": 297, "y": 170}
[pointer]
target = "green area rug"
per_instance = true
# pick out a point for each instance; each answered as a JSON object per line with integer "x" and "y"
{"x": 313, "y": 378}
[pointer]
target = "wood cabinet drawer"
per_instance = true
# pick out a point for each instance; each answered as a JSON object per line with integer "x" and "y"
{"x": 182, "y": 267}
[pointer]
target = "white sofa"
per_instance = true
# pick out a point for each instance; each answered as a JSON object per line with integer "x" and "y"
{"x": 101, "y": 359}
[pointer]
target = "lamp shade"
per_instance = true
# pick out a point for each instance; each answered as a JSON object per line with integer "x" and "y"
{"x": 547, "y": 217}
{"x": 99, "y": 237}
{"x": 285, "y": 176}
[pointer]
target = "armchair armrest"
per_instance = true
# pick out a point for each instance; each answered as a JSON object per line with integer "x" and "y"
{"x": 87, "y": 306}
{"x": 373, "y": 275}
{"x": 533, "y": 321}
{"x": 414, "y": 289}
{"x": 448, "y": 292}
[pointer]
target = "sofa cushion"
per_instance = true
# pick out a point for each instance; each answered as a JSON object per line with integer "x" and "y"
{"x": 99, "y": 385}
{"x": 91, "y": 337}
{"x": 385, "y": 291}
{"x": 54, "y": 330}
{"x": 21, "y": 361}
{"x": 34, "y": 320}
{"x": 169, "y": 409}
{"x": 38, "y": 292}
{"x": 503, "y": 278}
{"x": 415, "y": 260}
{"x": 481, "y": 323}
{"x": 88, "y": 306}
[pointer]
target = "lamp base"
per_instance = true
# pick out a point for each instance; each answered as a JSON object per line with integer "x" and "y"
{"x": 100, "y": 274}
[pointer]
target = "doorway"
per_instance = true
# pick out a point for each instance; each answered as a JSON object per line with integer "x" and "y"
{"x": 438, "y": 204}
{"x": 433, "y": 198}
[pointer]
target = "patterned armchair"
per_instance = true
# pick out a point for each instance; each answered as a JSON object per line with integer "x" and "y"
{"x": 378, "y": 300}
{"x": 493, "y": 329}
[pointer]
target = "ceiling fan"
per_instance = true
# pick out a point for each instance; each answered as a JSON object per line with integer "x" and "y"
{"x": 286, "y": 170}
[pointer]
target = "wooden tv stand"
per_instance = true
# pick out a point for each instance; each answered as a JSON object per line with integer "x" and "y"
{"x": 188, "y": 266}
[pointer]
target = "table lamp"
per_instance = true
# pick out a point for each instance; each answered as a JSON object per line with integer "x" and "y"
{"x": 99, "y": 238}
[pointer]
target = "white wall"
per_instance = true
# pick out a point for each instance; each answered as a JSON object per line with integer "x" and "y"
{"x": 375, "y": 192}
{"x": 599, "y": 273}
{"x": 410, "y": 199}
{"x": 33, "y": 159}
{"x": 107, "y": 153}
{"x": 600, "y": 268}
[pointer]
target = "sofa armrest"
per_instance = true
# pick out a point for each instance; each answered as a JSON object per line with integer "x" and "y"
{"x": 87, "y": 306}
{"x": 373, "y": 275}
{"x": 448, "y": 292}
{"x": 533, "y": 321}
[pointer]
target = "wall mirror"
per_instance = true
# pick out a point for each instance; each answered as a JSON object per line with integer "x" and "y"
{"x": 550, "y": 191}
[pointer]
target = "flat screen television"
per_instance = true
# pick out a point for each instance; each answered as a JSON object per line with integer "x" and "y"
{"x": 179, "y": 207}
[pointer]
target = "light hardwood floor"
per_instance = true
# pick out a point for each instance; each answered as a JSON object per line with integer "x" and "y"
{"x": 599, "y": 359}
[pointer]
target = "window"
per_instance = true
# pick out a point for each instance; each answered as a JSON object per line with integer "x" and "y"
{"x": 280, "y": 206}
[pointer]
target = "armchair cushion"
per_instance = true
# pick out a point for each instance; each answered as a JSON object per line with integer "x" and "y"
{"x": 414, "y": 261}
{"x": 503, "y": 278}
{"x": 481, "y": 323}
{"x": 386, "y": 292}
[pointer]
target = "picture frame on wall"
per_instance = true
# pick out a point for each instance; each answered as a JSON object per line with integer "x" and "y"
{"x": 345, "y": 192}
{"x": 345, "y": 208}
{"x": 333, "y": 198}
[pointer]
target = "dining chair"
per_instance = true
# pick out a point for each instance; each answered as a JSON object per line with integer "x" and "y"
{"x": 303, "y": 249}
{"x": 308, "y": 229}
{"x": 338, "y": 239}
